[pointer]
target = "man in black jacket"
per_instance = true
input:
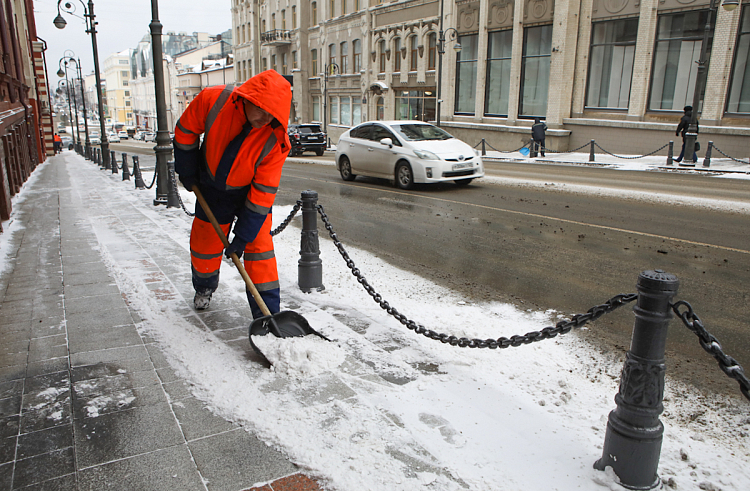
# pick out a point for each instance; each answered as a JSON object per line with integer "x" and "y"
{"x": 683, "y": 127}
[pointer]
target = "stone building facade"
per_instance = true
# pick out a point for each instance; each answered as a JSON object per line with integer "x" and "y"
{"x": 616, "y": 71}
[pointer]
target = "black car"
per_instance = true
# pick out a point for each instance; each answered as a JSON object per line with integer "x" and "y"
{"x": 306, "y": 138}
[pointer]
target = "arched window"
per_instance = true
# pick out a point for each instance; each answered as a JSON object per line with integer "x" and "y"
{"x": 397, "y": 55}
{"x": 413, "y": 54}
{"x": 331, "y": 56}
{"x": 314, "y": 12}
{"x": 314, "y": 63}
{"x": 381, "y": 49}
{"x": 357, "y": 55}
{"x": 380, "y": 109}
{"x": 344, "y": 65}
{"x": 432, "y": 51}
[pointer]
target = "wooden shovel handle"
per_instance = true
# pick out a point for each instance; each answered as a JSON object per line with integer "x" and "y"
{"x": 235, "y": 259}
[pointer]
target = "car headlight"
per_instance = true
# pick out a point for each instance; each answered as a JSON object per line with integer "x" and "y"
{"x": 424, "y": 154}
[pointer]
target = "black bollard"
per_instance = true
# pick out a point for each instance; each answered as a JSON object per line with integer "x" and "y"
{"x": 112, "y": 157}
{"x": 114, "y": 166}
{"x": 670, "y": 152}
{"x": 139, "y": 184}
{"x": 105, "y": 165}
{"x": 484, "y": 150}
{"x": 591, "y": 152}
{"x": 707, "y": 159}
{"x": 173, "y": 199}
{"x": 310, "y": 267}
{"x": 632, "y": 444}
{"x": 125, "y": 170}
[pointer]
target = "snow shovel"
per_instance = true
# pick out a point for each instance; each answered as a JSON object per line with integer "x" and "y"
{"x": 524, "y": 151}
{"x": 285, "y": 324}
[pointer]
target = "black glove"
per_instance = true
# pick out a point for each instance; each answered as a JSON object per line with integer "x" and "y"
{"x": 188, "y": 181}
{"x": 237, "y": 246}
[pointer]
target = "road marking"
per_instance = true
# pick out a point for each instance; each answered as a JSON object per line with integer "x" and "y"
{"x": 563, "y": 220}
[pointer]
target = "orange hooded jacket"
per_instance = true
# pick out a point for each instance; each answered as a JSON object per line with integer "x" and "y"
{"x": 234, "y": 157}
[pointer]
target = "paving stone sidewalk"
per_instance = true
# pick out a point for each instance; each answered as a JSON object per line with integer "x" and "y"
{"x": 86, "y": 402}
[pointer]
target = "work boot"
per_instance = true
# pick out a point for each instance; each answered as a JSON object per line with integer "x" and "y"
{"x": 202, "y": 300}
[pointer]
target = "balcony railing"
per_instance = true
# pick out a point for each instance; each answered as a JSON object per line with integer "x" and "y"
{"x": 276, "y": 37}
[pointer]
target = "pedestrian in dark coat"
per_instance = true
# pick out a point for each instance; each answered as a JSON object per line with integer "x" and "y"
{"x": 683, "y": 128}
{"x": 538, "y": 135}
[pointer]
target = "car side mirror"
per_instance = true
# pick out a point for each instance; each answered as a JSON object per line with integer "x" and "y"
{"x": 387, "y": 141}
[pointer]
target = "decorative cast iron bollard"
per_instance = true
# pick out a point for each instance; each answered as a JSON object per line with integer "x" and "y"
{"x": 310, "y": 267}
{"x": 632, "y": 444}
{"x": 112, "y": 157}
{"x": 670, "y": 152}
{"x": 591, "y": 152}
{"x": 125, "y": 170}
{"x": 173, "y": 199}
{"x": 707, "y": 159}
{"x": 139, "y": 184}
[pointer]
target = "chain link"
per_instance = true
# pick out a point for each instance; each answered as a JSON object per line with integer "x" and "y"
{"x": 709, "y": 343}
{"x": 727, "y": 156}
{"x": 288, "y": 219}
{"x": 562, "y": 327}
{"x": 179, "y": 198}
{"x": 631, "y": 158}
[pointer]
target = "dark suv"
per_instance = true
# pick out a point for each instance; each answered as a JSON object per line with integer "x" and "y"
{"x": 306, "y": 138}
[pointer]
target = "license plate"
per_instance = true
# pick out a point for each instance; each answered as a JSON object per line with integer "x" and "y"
{"x": 465, "y": 165}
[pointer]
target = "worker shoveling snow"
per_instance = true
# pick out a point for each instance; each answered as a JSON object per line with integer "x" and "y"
{"x": 299, "y": 356}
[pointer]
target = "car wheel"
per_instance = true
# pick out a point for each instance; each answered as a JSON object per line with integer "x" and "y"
{"x": 463, "y": 182}
{"x": 319, "y": 152}
{"x": 345, "y": 168}
{"x": 404, "y": 176}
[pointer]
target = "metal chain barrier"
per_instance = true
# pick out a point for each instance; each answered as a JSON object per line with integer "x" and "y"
{"x": 177, "y": 191}
{"x": 562, "y": 327}
{"x": 156, "y": 173}
{"x": 727, "y": 156}
{"x": 709, "y": 343}
{"x": 547, "y": 150}
{"x": 288, "y": 219}
{"x": 629, "y": 158}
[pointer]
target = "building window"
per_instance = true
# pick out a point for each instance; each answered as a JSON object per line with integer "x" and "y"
{"x": 356, "y": 112}
{"x": 415, "y": 105}
{"x": 466, "y": 74}
{"x": 316, "y": 108}
{"x": 343, "y": 7}
{"x": 413, "y": 54}
{"x": 332, "y": 13}
{"x": 346, "y": 115}
{"x": 273, "y": 63}
{"x": 344, "y": 65}
{"x": 273, "y": 21}
{"x": 263, "y": 23}
{"x": 284, "y": 63}
{"x": 497, "y": 85}
{"x": 127, "y": 103}
{"x": 611, "y": 63}
{"x": 123, "y": 62}
{"x": 294, "y": 60}
{"x": 535, "y": 66}
{"x": 331, "y": 57}
{"x": 125, "y": 73}
{"x": 264, "y": 64}
{"x": 380, "y": 108}
{"x": 314, "y": 12}
{"x": 397, "y": 55}
{"x": 127, "y": 93}
{"x": 432, "y": 51}
{"x": 314, "y": 62}
{"x": 678, "y": 46}
{"x": 357, "y": 5}
{"x": 739, "y": 92}
{"x": 381, "y": 50}
{"x": 294, "y": 17}
{"x": 283, "y": 20}
{"x": 334, "y": 113}
{"x": 357, "y": 45}
{"x": 124, "y": 83}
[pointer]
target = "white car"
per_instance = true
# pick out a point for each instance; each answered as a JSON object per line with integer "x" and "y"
{"x": 408, "y": 152}
{"x": 123, "y": 135}
{"x": 113, "y": 138}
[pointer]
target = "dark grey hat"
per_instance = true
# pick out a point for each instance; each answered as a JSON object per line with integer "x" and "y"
{"x": 688, "y": 108}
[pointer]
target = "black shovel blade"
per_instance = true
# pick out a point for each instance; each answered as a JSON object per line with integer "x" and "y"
{"x": 286, "y": 324}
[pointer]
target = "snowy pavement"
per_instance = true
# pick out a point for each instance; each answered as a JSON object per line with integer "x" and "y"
{"x": 382, "y": 408}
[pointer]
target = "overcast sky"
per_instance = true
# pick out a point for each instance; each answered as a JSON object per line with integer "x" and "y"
{"x": 121, "y": 25}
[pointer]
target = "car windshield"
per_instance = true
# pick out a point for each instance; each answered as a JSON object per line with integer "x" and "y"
{"x": 309, "y": 129}
{"x": 420, "y": 132}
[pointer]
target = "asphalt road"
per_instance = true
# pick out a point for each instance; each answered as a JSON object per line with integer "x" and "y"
{"x": 554, "y": 246}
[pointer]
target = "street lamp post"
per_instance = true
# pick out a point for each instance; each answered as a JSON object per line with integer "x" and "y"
{"x": 90, "y": 29}
{"x": 329, "y": 69}
{"x": 74, "y": 111}
{"x": 70, "y": 108}
{"x": 441, "y": 52}
{"x": 64, "y": 61}
{"x": 163, "y": 149}
{"x": 700, "y": 82}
